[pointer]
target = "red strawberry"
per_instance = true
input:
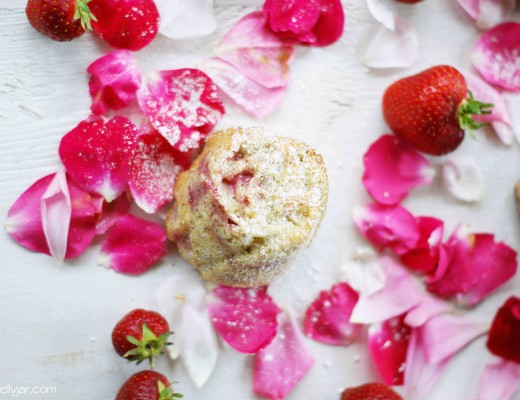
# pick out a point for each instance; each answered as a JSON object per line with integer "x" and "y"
{"x": 370, "y": 391}
{"x": 431, "y": 110}
{"x": 61, "y": 20}
{"x": 126, "y": 24}
{"x": 141, "y": 335}
{"x": 147, "y": 385}
{"x": 504, "y": 336}
{"x": 408, "y": 1}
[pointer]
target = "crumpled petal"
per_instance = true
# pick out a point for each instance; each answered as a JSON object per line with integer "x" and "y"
{"x": 497, "y": 56}
{"x": 183, "y": 105}
{"x": 387, "y": 227}
{"x": 96, "y": 155}
{"x": 462, "y": 178}
{"x": 392, "y": 168}
{"x": 397, "y": 296}
{"x": 115, "y": 79}
{"x": 487, "y": 13}
{"x": 183, "y": 19}
{"x": 112, "y": 212}
{"x": 394, "y": 44}
{"x": 279, "y": 367}
{"x": 505, "y": 331}
{"x": 133, "y": 245}
{"x": 388, "y": 344}
{"x": 327, "y": 318}
{"x": 428, "y": 307}
{"x": 500, "y": 380}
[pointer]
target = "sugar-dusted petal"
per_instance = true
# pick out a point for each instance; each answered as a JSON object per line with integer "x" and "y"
{"x": 245, "y": 318}
{"x": 153, "y": 170}
{"x": 397, "y": 296}
{"x": 428, "y": 307}
{"x": 388, "y": 344}
{"x": 96, "y": 155}
{"x": 115, "y": 78}
{"x": 183, "y": 105}
{"x": 387, "y": 227}
{"x": 505, "y": 331}
{"x": 500, "y": 380}
{"x": 112, "y": 212}
{"x": 183, "y": 19}
{"x": 462, "y": 178}
{"x": 392, "y": 168}
{"x": 497, "y": 56}
{"x": 279, "y": 367}
{"x": 327, "y": 318}
{"x": 133, "y": 245}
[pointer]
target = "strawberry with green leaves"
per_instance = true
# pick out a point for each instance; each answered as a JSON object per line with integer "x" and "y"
{"x": 147, "y": 385}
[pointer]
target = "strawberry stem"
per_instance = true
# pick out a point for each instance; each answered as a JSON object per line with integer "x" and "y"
{"x": 149, "y": 347}
{"x": 468, "y": 109}
{"x": 84, "y": 14}
{"x": 166, "y": 392}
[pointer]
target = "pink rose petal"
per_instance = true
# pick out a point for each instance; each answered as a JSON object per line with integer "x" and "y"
{"x": 96, "y": 155}
{"x": 487, "y": 13}
{"x": 397, "y": 296}
{"x": 115, "y": 80}
{"x": 500, "y": 380}
{"x": 392, "y": 168}
{"x": 497, "y": 56}
{"x": 428, "y": 307}
{"x": 245, "y": 318}
{"x": 279, "y": 367}
{"x": 133, "y": 245}
{"x": 112, "y": 212}
{"x": 471, "y": 7}
{"x": 183, "y": 105}
{"x": 387, "y": 227}
{"x": 462, "y": 178}
{"x": 327, "y": 318}
{"x": 182, "y": 19}
{"x": 388, "y": 344}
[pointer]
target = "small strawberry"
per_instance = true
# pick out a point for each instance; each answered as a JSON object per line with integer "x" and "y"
{"x": 431, "y": 110}
{"x": 141, "y": 335}
{"x": 61, "y": 20}
{"x": 147, "y": 385}
{"x": 408, "y": 1}
{"x": 370, "y": 391}
{"x": 504, "y": 335}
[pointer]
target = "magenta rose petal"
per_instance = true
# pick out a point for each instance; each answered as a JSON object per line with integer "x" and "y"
{"x": 245, "y": 318}
{"x": 500, "y": 380}
{"x": 112, "y": 212}
{"x": 96, "y": 155}
{"x": 327, "y": 318}
{"x": 133, "y": 245}
{"x": 279, "y": 367}
{"x": 392, "y": 168}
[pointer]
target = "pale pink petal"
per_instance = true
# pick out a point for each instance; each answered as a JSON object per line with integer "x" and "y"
{"x": 183, "y": 105}
{"x": 428, "y": 307}
{"x": 112, "y": 212}
{"x": 96, "y": 155}
{"x": 397, "y": 296}
{"x": 471, "y": 7}
{"x": 462, "y": 178}
{"x": 493, "y": 12}
{"x": 133, "y": 245}
{"x": 115, "y": 80}
{"x": 279, "y": 367}
{"x": 327, "y": 318}
{"x": 253, "y": 98}
{"x": 392, "y": 168}
{"x": 500, "y": 380}
{"x": 153, "y": 170}
{"x": 387, "y": 227}
{"x": 505, "y": 132}
{"x": 56, "y": 215}
{"x": 365, "y": 274}
{"x": 245, "y": 318}
{"x": 182, "y": 19}
{"x": 497, "y": 56}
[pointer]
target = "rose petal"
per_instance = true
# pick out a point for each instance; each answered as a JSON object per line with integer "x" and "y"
{"x": 471, "y": 7}
{"x": 183, "y": 19}
{"x": 133, "y": 245}
{"x": 112, "y": 212}
{"x": 397, "y": 296}
{"x": 462, "y": 178}
{"x": 388, "y": 344}
{"x": 428, "y": 307}
{"x": 183, "y": 105}
{"x": 487, "y": 13}
{"x": 279, "y": 367}
{"x": 497, "y": 56}
{"x": 392, "y": 168}
{"x": 115, "y": 80}
{"x": 500, "y": 380}
{"x": 505, "y": 331}
{"x": 96, "y": 155}
{"x": 365, "y": 275}
{"x": 387, "y": 227}
{"x": 327, "y": 317}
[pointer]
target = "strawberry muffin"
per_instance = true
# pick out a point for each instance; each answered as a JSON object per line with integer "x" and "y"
{"x": 247, "y": 206}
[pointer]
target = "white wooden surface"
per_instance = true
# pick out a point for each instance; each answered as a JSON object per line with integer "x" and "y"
{"x": 56, "y": 320}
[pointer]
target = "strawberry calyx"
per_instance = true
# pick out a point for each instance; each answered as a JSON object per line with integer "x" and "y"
{"x": 84, "y": 14}
{"x": 469, "y": 108}
{"x": 149, "y": 347}
{"x": 166, "y": 392}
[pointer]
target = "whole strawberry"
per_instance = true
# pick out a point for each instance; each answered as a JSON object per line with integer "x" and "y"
{"x": 61, "y": 20}
{"x": 431, "y": 110}
{"x": 504, "y": 335}
{"x": 370, "y": 391}
{"x": 141, "y": 335}
{"x": 147, "y": 385}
